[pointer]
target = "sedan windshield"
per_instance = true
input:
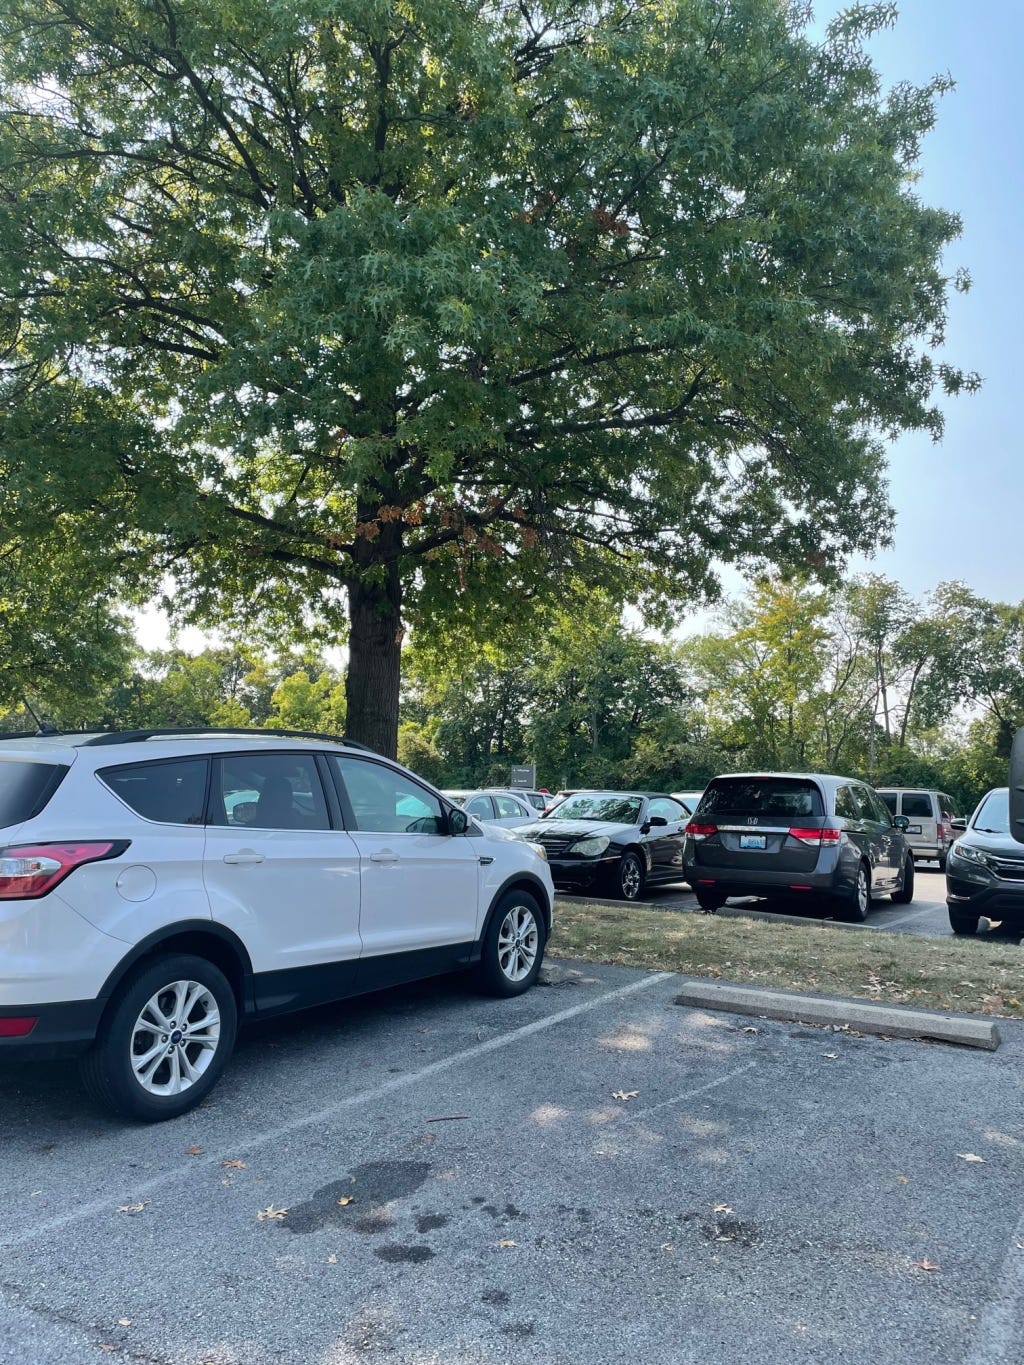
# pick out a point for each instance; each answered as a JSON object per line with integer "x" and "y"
{"x": 611, "y": 806}
{"x": 994, "y": 815}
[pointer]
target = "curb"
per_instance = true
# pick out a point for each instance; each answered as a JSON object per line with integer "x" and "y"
{"x": 894, "y": 1021}
{"x": 632, "y": 905}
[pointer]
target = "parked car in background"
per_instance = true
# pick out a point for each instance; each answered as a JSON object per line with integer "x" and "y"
{"x": 691, "y": 800}
{"x": 930, "y": 814}
{"x": 493, "y": 806}
{"x": 771, "y": 834}
{"x": 613, "y": 842}
{"x": 559, "y": 797}
{"x": 157, "y": 886}
{"x": 985, "y": 867}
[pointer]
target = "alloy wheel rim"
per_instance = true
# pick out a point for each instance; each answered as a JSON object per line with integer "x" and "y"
{"x": 862, "y": 890}
{"x": 630, "y": 878}
{"x": 518, "y": 942}
{"x": 175, "y": 1038}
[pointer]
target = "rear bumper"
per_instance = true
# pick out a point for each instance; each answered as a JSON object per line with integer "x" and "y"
{"x": 61, "y": 1030}
{"x": 730, "y": 881}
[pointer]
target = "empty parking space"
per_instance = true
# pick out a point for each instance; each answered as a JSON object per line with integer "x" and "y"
{"x": 589, "y": 1172}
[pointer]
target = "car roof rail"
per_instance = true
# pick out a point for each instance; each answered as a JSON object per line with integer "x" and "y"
{"x": 107, "y": 737}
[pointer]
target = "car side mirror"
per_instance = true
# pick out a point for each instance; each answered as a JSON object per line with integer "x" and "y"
{"x": 959, "y": 823}
{"x": 656, "y": 820}
{"x": 901, "y": 822}
{"x": 1017, "y": 787}
{"x": 458, "y": 822}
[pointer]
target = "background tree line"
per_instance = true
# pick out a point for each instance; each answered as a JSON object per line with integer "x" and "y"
{"x": 861, "y": 679}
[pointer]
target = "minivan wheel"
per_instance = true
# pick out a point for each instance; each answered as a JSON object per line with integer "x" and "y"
{"x": 857, "y": 903}
{"x": 710, "y": 900}
{"x": 963, "y": 924}
{"x": 906, "y": 892}
{"x": 513, "y": 947}
{"x": 163, "y": 1046}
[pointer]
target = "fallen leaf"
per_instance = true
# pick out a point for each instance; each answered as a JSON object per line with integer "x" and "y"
{"x": 132, "y": 1208}
{"x": 749, "y": 1028}
{"x": 332, "y": 1259}
{"x": 830, "y": 1055}
{"x": 124, "y": 1322}
{"x": 666, "y": 1246}
{"x": 346, "y": 1199}
{"x": 902, "y": 1179}
{"x": 625, "y": 1094}
{"x": 508, "y": 1242}
{"x": 723, "y": 1208}
{"x": 233, "y": 1165}
{"x": 106, "y": 1346}
{"x": 927, "y": 1265}
{"x": 270, "y": 1212}
{"x": 194, "y": 1150}
{"x": 970, "y": 1156}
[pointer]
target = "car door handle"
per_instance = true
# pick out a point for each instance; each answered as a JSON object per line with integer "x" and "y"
{"x": 245, "y": 855}
{"x": 386, "y": 855}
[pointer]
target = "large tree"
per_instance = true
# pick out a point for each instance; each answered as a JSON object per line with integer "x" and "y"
{"x": 371, "y": 313}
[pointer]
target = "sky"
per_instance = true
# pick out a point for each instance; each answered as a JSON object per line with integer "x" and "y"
{"x": 959, "y": 504}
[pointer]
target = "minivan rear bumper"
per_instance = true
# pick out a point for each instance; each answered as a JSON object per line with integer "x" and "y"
{"x": 735, "y": 882}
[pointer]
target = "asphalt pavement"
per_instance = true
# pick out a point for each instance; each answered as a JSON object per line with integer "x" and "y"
{"x": 584, "y": 1175}
{"x": 926, "y": 914}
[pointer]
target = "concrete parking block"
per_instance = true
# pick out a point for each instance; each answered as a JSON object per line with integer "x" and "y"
{"x": 892, "y": 1020}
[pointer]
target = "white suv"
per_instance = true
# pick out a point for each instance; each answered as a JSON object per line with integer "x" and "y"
{"x": 158, "y": 886}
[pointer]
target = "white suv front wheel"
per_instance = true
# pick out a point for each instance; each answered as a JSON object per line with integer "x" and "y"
{"x": 513, "y": 946}
{"x": 166, "y": 1041}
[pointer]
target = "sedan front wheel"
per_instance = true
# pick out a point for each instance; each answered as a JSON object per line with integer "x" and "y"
{"x": 631, "y": 877}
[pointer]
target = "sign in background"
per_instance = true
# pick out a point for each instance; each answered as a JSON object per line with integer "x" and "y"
{"x": 524, "y": 775}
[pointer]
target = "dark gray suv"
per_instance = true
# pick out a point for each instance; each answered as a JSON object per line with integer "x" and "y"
{"x": 985, "y": 868}
{"x": 791, "y": 834}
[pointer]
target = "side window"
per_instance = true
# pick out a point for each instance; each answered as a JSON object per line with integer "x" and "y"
{"x": 387, "y": 802}
{"x": 481, "y": 807}
{"x": 171, "y": 791}
{"x": 509, "y": 807}
{"x": 889, "y": 801}
{"x": 669, "y": 810}
{"x": 269, "y": 791}
{"x": 917, "y": 804}
{"x": 871, "y": 808}
{"x": 950, "y": 807}
{"x": 847, "y": 807}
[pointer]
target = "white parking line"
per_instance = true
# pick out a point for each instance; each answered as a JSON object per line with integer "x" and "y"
{"x": 999, "y": 1332}
{"x": 911, "y": 914}
{"x": 690, "y": 1094}
{"x": 107, "y": 1204}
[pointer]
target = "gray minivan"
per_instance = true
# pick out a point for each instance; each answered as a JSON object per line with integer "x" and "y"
{"x": 929, "y": 819}
{"x": 783, "y": 834}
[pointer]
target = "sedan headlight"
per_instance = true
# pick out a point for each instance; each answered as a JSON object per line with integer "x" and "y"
{"x": 970, "y": 854}
{"x": 591, "y": 847}
{"x": 539, "y": 849}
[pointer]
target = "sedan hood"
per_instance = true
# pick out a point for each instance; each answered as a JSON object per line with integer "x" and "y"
{"x": 553, "y": 828}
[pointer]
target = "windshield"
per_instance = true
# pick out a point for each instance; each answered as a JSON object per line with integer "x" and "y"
{"x": 993, "y": 816}
{"x": 621, "y": 810}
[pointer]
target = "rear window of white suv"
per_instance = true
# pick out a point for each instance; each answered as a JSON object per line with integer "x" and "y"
{"x": 25, "y": 788}
{"x": 169, "y": 791}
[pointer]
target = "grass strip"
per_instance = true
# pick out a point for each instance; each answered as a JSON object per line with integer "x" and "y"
{"x": 966, "y": 976}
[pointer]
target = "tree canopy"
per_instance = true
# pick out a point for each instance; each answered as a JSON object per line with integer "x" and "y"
{"x": 357, "y": 314}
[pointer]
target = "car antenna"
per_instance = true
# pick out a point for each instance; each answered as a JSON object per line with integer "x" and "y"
{"x": 41, "y": 726}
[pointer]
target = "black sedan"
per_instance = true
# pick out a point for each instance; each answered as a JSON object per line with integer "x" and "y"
{"x": 613, "y": 842}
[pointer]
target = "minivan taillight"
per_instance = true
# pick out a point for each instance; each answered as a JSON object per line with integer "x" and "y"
{"x": 28, "y": 871}
{"x": 816, "y": 836}
{"x": 697, "y": 830}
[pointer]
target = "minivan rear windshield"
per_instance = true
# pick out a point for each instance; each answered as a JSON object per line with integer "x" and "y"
{"x": 25, "y": 788}
{"x": 784, "y": 796}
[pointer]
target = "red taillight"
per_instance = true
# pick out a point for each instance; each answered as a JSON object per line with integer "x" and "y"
{"x": 18, "y": 1027}
{"x": 816, "y": 836}
{"x": 28, "y": 871}
{"x": 700, "y": 831}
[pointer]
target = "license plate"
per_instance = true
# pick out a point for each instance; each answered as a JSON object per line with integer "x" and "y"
{"x": 753, "y": 841}
{"x": 913, "y": 829}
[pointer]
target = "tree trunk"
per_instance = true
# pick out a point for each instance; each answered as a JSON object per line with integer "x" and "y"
{"x": 375, "y": 648}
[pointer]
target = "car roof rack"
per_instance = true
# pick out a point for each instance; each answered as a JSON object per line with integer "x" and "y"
{"x": 169, "y": 732}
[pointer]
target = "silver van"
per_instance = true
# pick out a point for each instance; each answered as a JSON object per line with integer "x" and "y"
{"x": 930, "y": 815}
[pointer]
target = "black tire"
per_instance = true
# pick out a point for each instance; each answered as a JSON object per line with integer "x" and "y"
{"x": 906, "y": 892}
{"x": 710, "y": 900}
{"x": 107, "y": 1068}
{"x": 942, "y": 863}
{"x": 517, "y": 916}
{"x": 630, "y": 877}
{"x": 854, "y": 905}
{"x": 963, "y": 924}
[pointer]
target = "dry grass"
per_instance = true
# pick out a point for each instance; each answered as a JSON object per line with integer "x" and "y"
{"x": 966, "y": 976}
